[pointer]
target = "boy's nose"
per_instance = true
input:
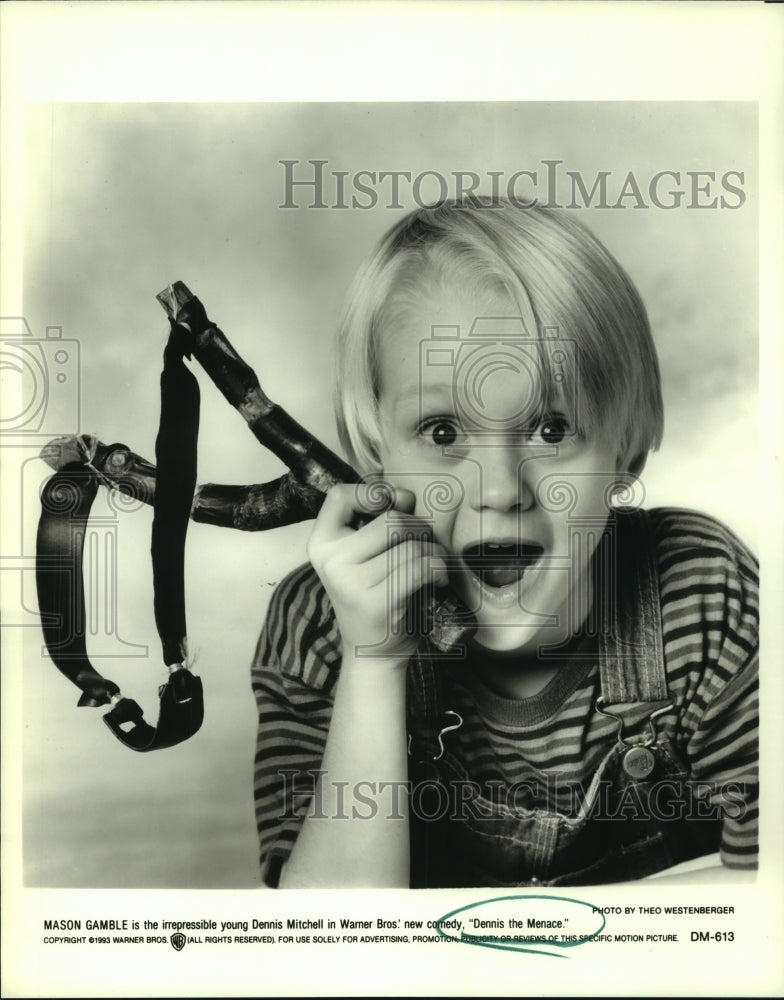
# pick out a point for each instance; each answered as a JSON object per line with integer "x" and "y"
{"x": 502, "y": 480}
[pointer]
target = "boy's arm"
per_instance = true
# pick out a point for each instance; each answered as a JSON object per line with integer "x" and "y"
{"x": 370, "y": 574}
{"x": 724, "y": 757}
{"x": 710, "y": 618}
{"x": 322, "y": 761}
{"x": 293, "y": 675}
{"x": 331, "y": 774}
{"x": 359, "y": 841}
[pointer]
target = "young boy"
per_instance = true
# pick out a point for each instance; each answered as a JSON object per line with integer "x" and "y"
{"x": 496, "y": 367}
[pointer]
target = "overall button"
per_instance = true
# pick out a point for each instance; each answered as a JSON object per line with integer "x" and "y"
{"x": 638, "y": 762}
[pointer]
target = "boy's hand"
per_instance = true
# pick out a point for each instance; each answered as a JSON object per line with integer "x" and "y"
{"x": 370, "y": 574}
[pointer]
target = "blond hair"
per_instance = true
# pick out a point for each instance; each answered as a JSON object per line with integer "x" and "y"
{"x": 558, "y": 275}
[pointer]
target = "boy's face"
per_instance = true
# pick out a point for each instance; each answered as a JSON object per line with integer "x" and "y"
{"x": 519, "y": 543}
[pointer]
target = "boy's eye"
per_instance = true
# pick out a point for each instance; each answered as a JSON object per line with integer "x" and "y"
{"x": 441, "y": 432}
{"x": 446, "y": 431}
{"x": 554, "y": 428}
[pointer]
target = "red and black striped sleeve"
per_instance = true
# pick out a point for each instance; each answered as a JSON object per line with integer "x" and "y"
{"x": 710, "y": 618}
{"x": 293, "y": 676}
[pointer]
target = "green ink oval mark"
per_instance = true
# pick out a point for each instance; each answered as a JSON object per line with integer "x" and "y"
{"x": 505, "y": 938}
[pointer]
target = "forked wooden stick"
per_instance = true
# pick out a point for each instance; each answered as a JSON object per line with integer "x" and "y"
{"x": 295, "y": 496}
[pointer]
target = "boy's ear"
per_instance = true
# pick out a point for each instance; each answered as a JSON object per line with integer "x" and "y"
{"x": 626, "y": 489}
{"x": 635, "y": 466}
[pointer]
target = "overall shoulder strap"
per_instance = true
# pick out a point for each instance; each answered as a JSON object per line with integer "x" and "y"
{"x": 631, "y": 664}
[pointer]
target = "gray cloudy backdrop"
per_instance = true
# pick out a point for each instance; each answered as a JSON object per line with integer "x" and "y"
{"x": 122, "y": 199}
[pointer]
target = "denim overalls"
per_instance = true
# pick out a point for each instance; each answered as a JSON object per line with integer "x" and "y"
{"x": 495, "y": 844}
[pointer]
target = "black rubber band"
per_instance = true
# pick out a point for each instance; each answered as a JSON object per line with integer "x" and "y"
{"x": 66, "y": 502}
{"x": 175, "y": 456}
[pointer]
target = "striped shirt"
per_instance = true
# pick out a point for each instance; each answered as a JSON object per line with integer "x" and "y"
{"x": 548, "y": 746}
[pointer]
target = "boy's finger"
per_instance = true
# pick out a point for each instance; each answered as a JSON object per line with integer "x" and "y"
{"x": 376, "y": 496}
{"x": 343, "y": 512}
{"x": 408, "y": 566}
{"x": 402, "y": 587}
{"x": 337, "y": 512}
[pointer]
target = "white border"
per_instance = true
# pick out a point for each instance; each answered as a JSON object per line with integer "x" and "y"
{"x": 405, "y": 51}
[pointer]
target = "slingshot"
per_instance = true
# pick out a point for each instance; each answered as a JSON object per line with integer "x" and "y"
{"x": 82, "y": 462}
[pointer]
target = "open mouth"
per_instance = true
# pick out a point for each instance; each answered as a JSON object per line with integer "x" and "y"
{"x": 497, "y": 564}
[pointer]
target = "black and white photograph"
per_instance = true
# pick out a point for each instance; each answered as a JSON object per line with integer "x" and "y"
{"x": 387, "y": 485}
